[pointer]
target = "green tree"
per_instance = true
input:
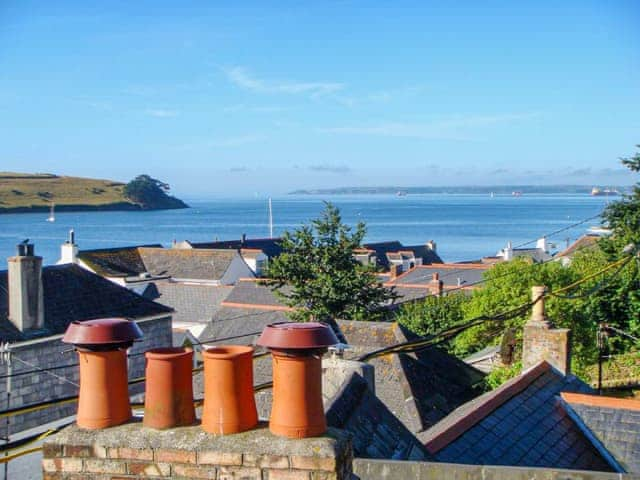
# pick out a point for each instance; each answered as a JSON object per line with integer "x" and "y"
{"x": 151, "y": 193}
{"x": 623, "y": 216}
{"x": 433, "y": 314}
{"x": 324, "y": 280}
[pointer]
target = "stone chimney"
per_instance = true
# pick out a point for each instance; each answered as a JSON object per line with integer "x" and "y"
{"x": 436, "y": 285}
{"x": 69, "y": 249}
{"x": 394, "y": 271}
{"x": 26, "y": 299}
{"x": 543, "y": 342}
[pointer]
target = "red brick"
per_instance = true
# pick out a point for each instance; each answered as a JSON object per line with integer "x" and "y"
{"x": 265, "y": 461}
{"x": 288, "y": 474}
{"x": 239, "y": 473}
{"x": 212, "y": 457}
{"x": 175, "y": 456}
{"x": 327, "y": 464}
{"x": 131, "y": 453}
{"x": 190, "y": 471}
{"x": 149, "y": 469}
{"x": 62, "y": 464}
{"x": 104, "y": 466}
{"x": 78, "y": 450}
{"x": 51, "y": 450}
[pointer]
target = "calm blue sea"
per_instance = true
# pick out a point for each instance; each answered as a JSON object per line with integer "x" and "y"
{"x": 463, "y": 226}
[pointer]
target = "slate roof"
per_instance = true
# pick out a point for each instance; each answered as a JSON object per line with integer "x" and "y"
{"x": 521, "y": 423}
{"x": 192, "y": 303}
{"x": 270, "y": 246}
{"x": 115, "y": 262}
{"x": 187, "y": 264}
{"x": 254, "y": 293}
{"x": 449, "y": 273}
{"x": 72, "y": 293}
{"x": 419, "y": 388}
{"x": 383, "y": 248}
{"x": 240, "y": 326}
{"x": 615, "y": 423}
{"x": 376, "y": 432}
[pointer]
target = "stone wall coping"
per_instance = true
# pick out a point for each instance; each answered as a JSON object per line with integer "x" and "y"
{"x": 370, "y": 469}
{"x": 259, "y": 441}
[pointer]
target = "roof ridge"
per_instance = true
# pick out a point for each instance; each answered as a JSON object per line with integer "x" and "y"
{"x": 441, "y": 434}
{"x": 601, "y": 401}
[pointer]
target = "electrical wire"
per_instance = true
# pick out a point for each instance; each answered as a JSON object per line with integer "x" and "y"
{"x": 564, "y": 229}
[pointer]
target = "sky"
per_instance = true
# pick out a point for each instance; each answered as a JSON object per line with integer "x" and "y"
{"x": 241, "y": 98}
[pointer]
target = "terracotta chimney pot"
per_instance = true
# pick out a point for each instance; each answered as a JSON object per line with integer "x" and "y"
{"x": 102, "y": 349}
{"x": 297, "y": 349}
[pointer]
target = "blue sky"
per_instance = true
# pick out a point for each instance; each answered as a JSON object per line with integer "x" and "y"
{"x": 267, "y": 97}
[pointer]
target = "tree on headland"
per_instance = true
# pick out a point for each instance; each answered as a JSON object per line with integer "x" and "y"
{"x": 325, "y": 280}
{"x": 151, "y": 193}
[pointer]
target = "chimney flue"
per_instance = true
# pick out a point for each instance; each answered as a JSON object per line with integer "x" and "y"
{"x": 26, "y": 299}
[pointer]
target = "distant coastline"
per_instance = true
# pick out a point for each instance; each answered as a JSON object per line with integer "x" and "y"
{"x": 42, "y": 192}
{"x": 476, "y": 189}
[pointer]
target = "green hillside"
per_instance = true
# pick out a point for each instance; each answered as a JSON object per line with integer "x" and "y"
{"x": 24, "y": 192}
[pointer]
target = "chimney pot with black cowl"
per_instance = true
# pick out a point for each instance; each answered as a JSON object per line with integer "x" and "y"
{"x": 26, "y": 298}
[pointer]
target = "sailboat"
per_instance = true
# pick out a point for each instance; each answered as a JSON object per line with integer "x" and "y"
{"x": 52, "y": 214}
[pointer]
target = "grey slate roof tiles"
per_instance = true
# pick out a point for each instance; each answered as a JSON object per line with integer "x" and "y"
{"x": 115, "y": 262}
{"x": 192, "y": 303}
{"x": 270, "y": 246}
{"x": 187, "y": 264}
{"x": 377, "y": 433}
{"x": 618, "y": 430}
{"x": 419, "y": 388}
{"x": 72, "y": 293}
{"x": 450, "y": 274}
{"x": 526, "y": 426}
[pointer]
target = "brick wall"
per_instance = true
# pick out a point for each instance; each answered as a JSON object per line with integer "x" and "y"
{"x": 38, "y": 387}
{"x": 131, "y": 451}
{"x": 543, "y": 343}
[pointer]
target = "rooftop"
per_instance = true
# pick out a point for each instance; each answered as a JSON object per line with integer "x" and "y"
{"x": 72, "y": 293}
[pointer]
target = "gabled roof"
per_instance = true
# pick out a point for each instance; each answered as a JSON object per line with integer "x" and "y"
{"x": 72, "y": 293}
{"x": 381, "y": 250}
{"x": 270, "y": 246}
{"x": 376, "y": 432}
{"x": 419, "y": 388}
{"x": 450, "y": 273}
{"x": 615, "y": 422}
{"x": 584, "y": 242}
{"x": 192, "y": 303}
{"x": 187, "y": 264}
{"x": 115, "y": 262}
{"x": 521, "y": 423}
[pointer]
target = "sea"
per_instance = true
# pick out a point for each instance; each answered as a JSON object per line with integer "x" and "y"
{"x": 464, "y": 227}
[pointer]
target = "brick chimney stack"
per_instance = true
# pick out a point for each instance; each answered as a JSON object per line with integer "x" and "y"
{"x": 542, "y": 342}
{"x": 26, "y": 299}
{"x": 436, "y": 285}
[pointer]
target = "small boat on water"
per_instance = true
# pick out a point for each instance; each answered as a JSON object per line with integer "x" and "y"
{"x": 597, "y": 192}
{"x": 401, "y": 193}
{"x": 52, "y": 214}
{"x": 516, "y": 193}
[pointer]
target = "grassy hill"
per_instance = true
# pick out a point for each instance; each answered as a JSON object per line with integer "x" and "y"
{"x": 24, "y": 192}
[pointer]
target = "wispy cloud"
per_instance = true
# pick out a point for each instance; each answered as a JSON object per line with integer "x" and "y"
{"x": 243, "y": 79}
{"x": 160, "y": 113}
{"x": 330, "y": 168}
{"x": 238, "y": 169}
{"x": 459, "y": 127}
